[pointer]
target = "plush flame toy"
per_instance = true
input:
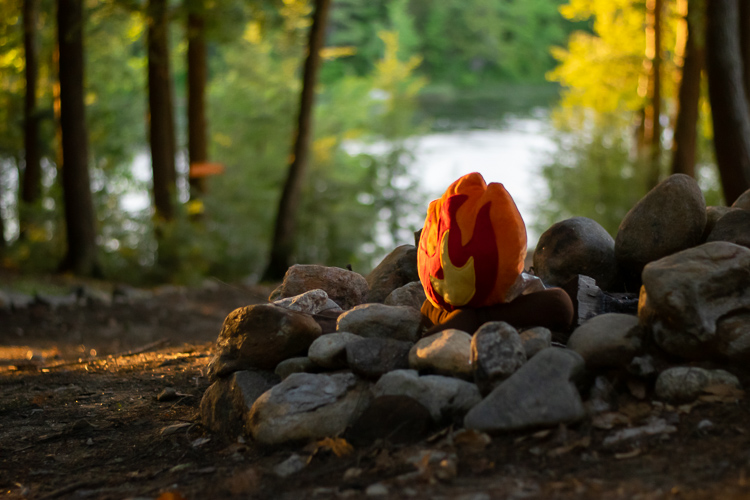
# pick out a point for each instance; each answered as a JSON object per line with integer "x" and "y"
{"x": 472, "y": 246}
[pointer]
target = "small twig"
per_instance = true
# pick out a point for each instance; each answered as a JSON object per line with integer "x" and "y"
{"x": 71, "y": 488}
{"x": 133, "y": 352}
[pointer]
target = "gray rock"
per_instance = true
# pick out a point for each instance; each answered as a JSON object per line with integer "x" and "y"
{"x": 307, "y": 406}
{"x": 576, "y": 246}
{"x": 344, "y": 287}
{"x": 696, "y": 302}
{"x": 311, "y": 302}
{"x": 299, "y": 364}
{"x": 608, "y": 340}
{"x": 291, "y": 465}
{"x": 743, "y": 201}
{"x": 445, "y": 353}
{"x": 447, "y": 398}
{"x": 411, "y": 294}
{"x": 329, "y": 350}
{"x": 381, "y": 321}
{"x": 226, "y": 402}
{"x": 670, "y": 218}
{"x": 20, "y": 300}
{"x": 713, "y": 214}
{"x": 496, "y": 352}
{"x": 535, "y": 339}
{"x": 733, "y": 227}
{"x": 396, "y": 270}
{"x": 655, "y": 426}
{"x": 371, "y": 358}
{"x": 684, "y": 384}
{"x": 541, "y": 393}
{"x": 261, "y": 336}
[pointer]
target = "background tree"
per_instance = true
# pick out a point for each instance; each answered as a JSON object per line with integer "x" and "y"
{"x": 161, "y": 119}
{"x": 284, "y": 234}
{"x": 81, "y": 257}
{"x": 729, "y": 105}
{"x": 32, "y": 172}
{"x": 197, "y": 74}
{"x": 686, "y": 124}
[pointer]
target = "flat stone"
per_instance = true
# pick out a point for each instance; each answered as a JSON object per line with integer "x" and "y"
{"x": 733, "y": 227}
{"x": 371, "y": 358}
{"x": 576, "y": 246}
{"x": 299, "y": 364}
{"x": 535, "y": 339}
{"x": 344, "y": 287}
{"x": 329, "y": 350}
{"x": 697, "y": 302}
{"x": 445, "y": 353}
{"x": 381, "y": 321}
{"x": 608, "y": 340}
{"x": 541, "y": 393}
{"x": 260, "y": 337}
{"x": 396, "y": 270}
{"x": 447, "y": 398}
{"x": 670, "y": 218}
{"x": 311, "y": 302}
{"x": 226, "y": 402}
{"x": 684, "y": 384}
{"x": 496, "y": 352}
{"x": 307, "y": 406}
{"x": 411, "y": 294}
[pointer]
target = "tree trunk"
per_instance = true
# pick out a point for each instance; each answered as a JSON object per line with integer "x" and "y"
{"x": 729, "y": 106}
{"x": 653, "y": 111}
{"x": 79, "y": 208}
{"x": 161, "y": 120}
{"x": 685, "y": 133}
{"x": 284, "y": 232}
{"x": 744, "y": 20}
{"x": 197, "y": 75}
{"x": 32, "y": 173}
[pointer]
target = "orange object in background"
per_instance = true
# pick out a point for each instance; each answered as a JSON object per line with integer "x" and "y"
{"x": 472, "y": 246}
{"x": 198, "y": 170}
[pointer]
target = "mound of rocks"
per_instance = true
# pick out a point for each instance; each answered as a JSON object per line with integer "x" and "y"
{"x": 336, "y": 354}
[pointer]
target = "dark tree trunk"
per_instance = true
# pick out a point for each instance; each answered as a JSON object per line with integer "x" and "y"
{"x": 685, "y": 133}
{"x": 79, "y": 208}
{"x": 745, "y": 43}
{"x": 284, "y": 232}
{"x": 32, "y": 173}
{"x": 161, "y": 120}
{"x": 197, "y": 75}
{"x": 653, "y": 112}
{"x": 729, "y": 106}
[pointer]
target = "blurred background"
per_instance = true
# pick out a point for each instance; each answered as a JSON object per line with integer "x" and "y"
{"x": 203, "y": 154}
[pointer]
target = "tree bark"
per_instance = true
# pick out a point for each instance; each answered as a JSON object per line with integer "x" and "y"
{"x": 729, "y": 105}
{"x": 161, "y": 120}
{"x": 653, "y": 111}
{"x": 197, "y": 76}
{"x": 32, "y": 173}
{"x": 286, "y": 218}
{"x": 744, "y": 20}
{"x": 685, "y": 133}
{"x": 80, "y": 220}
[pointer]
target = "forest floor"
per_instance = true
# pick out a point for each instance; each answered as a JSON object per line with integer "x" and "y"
{"x": 81, "y": 417}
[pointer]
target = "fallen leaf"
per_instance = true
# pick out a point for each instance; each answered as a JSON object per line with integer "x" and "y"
{"x": 199, "y": 442}
{"x": 171, "y": 429}
{"x": 471, "y": 440}
{"x": 610, "y": 419}
{"x": 584, "y": 442}
{"x": 721, "y": 393}
{"x": 243, "y": 482}
{"x": 339, "y": 446}
{"x": 171, "y": 495}
{"x": 629, "y": 454}
{"x": 181, "y": 467}
{"x": 635, "y": 411}
{"x": 637, "y": 388}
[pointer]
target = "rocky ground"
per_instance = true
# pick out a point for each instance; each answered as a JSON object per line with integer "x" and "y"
{"x": 100, "y": 399}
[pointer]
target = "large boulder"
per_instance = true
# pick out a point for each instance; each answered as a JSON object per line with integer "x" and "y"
{"x": 397, "y": 269}
{"x": 226, "y": 402}
{"x": 381, "y": 321}
{"x": 307, "y": 406}
{"x": 697, "y": 302}
{"x": 670, "y": 218}
{"x": 733, "y": 227}
{"x": 576, "y": 246}
{"x": 260, "y": 337}
{"x": 541, "y": 393}
{"x": 608, "y": 340}
{"x": 344, "y": 287}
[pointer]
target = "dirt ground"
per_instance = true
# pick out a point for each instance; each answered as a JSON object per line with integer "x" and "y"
{"x": 81, "y": 417}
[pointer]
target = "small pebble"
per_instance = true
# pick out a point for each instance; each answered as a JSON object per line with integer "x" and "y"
{"x": 376, "y": 490}
{"x": 705, "y": 424}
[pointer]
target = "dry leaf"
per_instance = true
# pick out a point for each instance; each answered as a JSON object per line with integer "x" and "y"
{"x": 243, "y": 482}
{"x": 584, "y": 442}
{"x": 721, "y": 393}
{"x": 637, "y": 388}
{"x": 635, "y": 411}
{"x": 471, "y": 440}
{"x": 339, "y": 446}
{"x": 629, "y": 454}
{"x": 171, "y": 495}
{"x": 609, "y": 419}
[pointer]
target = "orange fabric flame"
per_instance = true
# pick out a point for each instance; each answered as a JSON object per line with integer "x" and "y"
{"x": 472, "y": 246}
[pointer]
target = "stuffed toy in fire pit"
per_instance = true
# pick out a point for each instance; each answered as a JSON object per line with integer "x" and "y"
{"x": 471, "y": 253}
